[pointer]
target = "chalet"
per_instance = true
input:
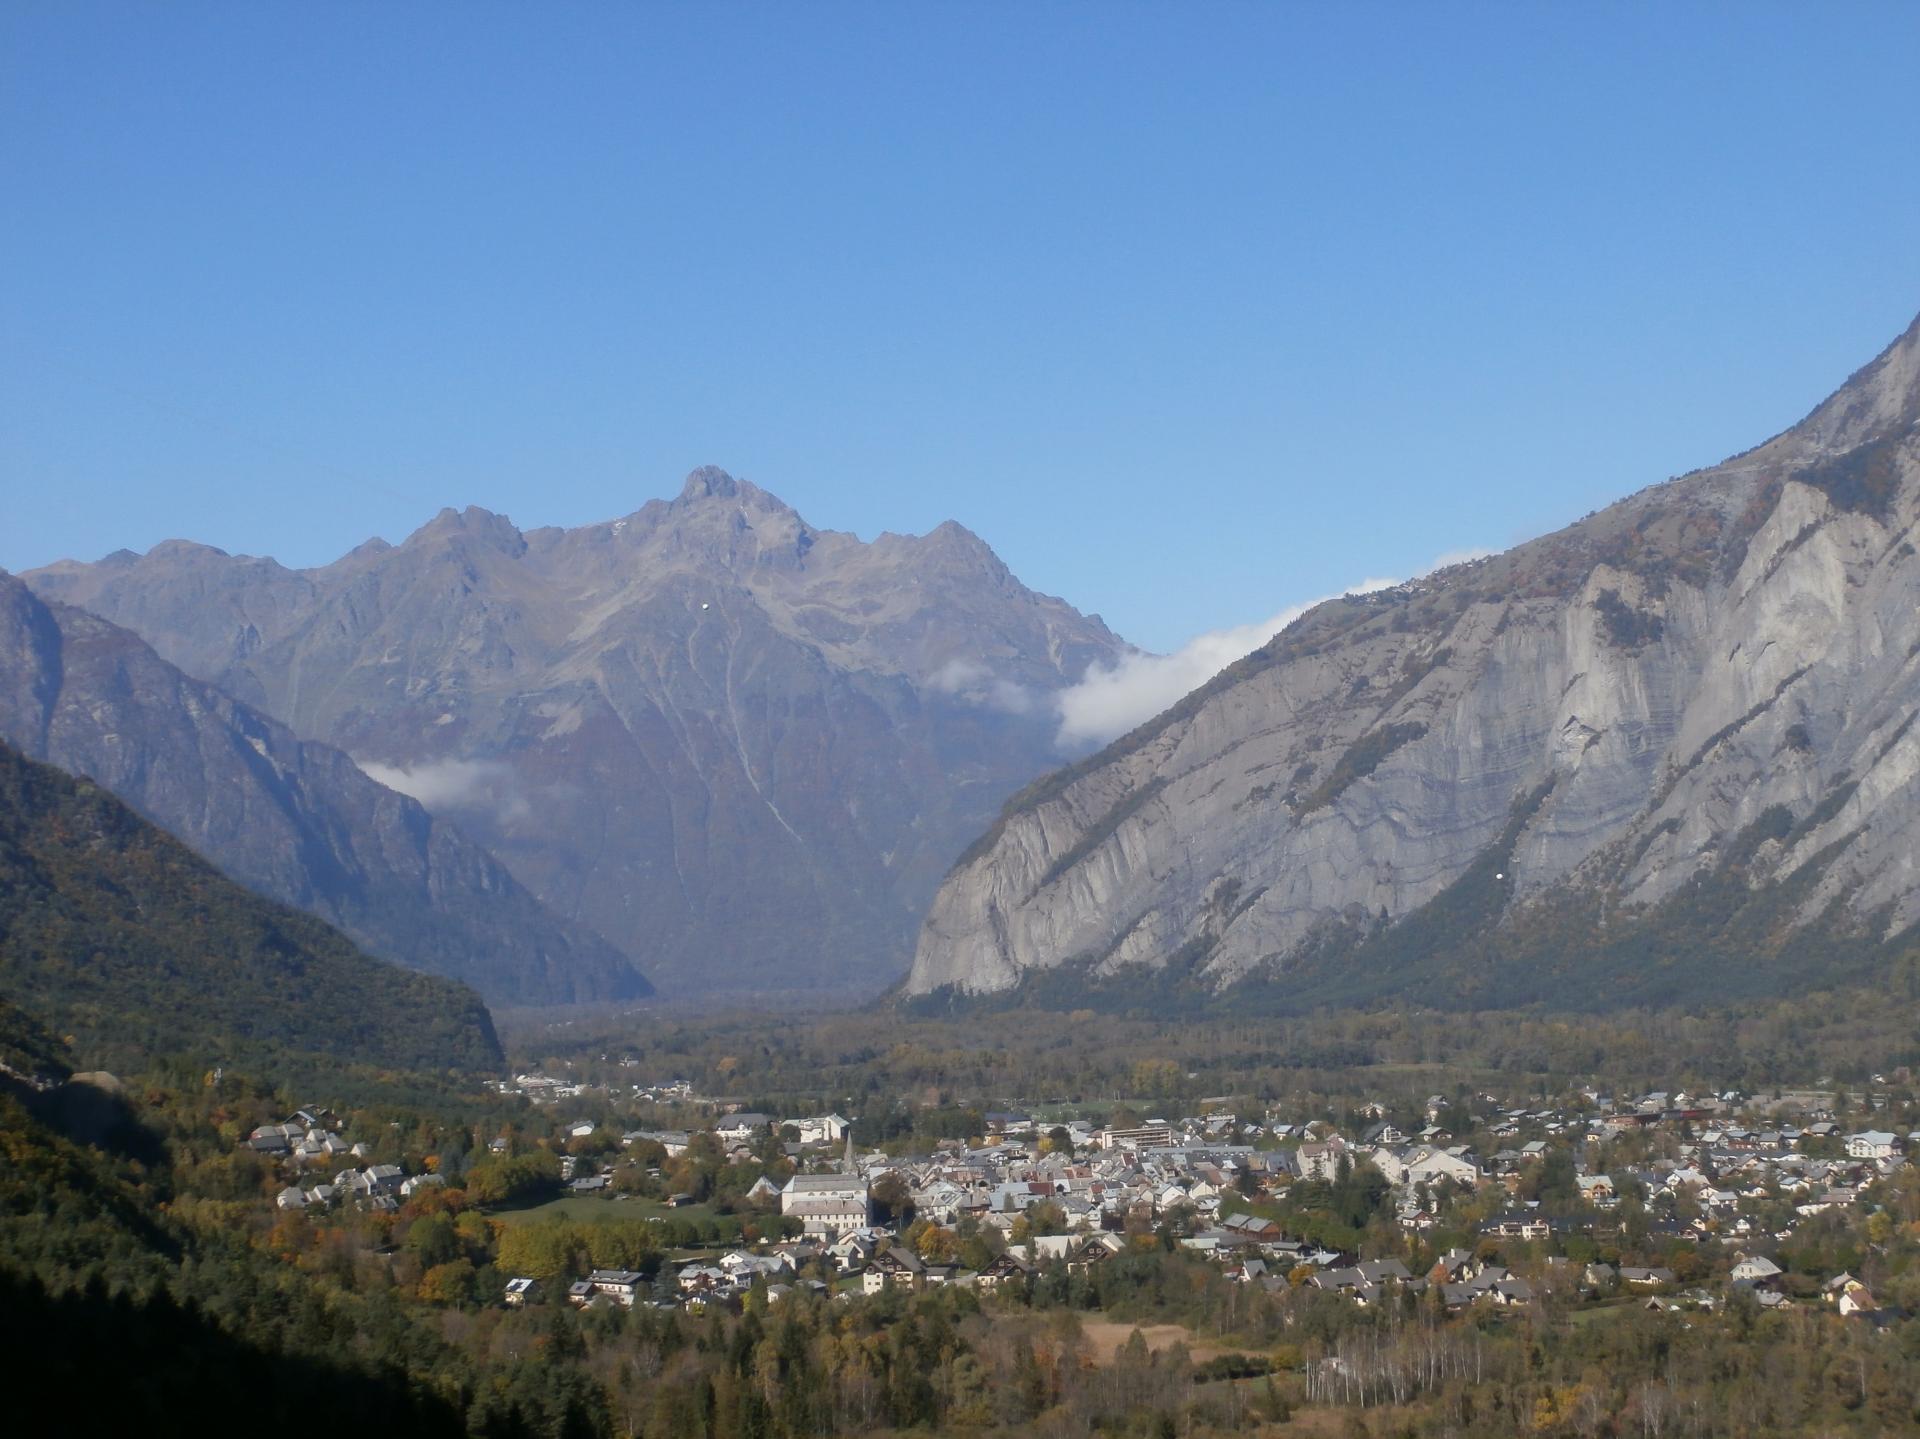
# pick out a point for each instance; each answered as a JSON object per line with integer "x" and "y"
{"x": 1096, "y": 1250}
{"x": 1641, "y": 1278}
{"x": 702, "y": 1279}
{"x": 1426, "y": 1165}
{"x": 673, "y": 1141}
{"x": 1509, "y": 1291}
{"x": 852, "y": 1251}
{"x": 274, "y": 1139}
{"x": 893, "y": 1268}
{"x": 381, "y": 1179}
{"x": 1005, "y": 1269}
{"x": 521, "y": 1292}
{"x": 622, "y": 1286}
{"x": 1596, "y": 1189}
{"x": 1518, "y": 1224}
{"x": 1858, "y": 1301}
{"x": 1250, "y": 1228}
{"x": 1321, "y": 1160}
{"x": 1872, "y": 1144}
{"x": 1453, "y": 1267}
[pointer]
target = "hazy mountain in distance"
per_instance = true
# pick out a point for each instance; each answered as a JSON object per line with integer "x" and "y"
{"x": 298, "y": 822}
{"x": 1667, "y": 753}
{"x": 123, "y": 937}
{"x": 743, "y": 749}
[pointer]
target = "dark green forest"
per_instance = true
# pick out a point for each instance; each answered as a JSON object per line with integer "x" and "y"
{"x": 115, "y": 933}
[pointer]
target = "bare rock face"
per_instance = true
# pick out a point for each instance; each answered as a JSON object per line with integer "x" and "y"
{"x": 1666, "y": 753}
{"x": 296, "y": 821}
{"x": 743, "y": 749}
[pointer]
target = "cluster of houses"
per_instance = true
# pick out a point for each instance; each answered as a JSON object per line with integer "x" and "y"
{"x": 380, "y": 1188}
{"x": 310, "y": 1138}
{"x": 1717, "y": 1167}
{"x": 1712, "y": 1180}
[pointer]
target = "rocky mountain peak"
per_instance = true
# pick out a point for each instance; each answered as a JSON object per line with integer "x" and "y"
{"x": 470, "y": 525}
{"x": 951, "y": 548}
{"x": 742, "y": 749}
{"x": 735, "y": 523}
{"x": 188, "y": 550}
{"x": 710, "y": 482}
{"x": 1880, "y": 399}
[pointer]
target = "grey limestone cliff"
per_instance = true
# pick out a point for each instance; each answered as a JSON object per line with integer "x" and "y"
{"x": 1695, "y": 701}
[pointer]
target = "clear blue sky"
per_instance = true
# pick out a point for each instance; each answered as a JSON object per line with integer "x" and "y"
{"x": 1191, "y": 311}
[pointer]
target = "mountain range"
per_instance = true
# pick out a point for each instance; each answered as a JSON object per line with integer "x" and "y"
{"x": 742, "y": 750}
{"x": 293, "y": 820}
{"x": 1667, "y": 754}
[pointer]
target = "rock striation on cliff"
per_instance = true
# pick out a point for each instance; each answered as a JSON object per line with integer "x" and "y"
{"x": 1667, "y": 753}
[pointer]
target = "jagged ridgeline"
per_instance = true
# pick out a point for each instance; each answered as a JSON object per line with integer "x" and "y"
{"x": 742, "y": 749}
{"x": 291, "y": 819}
{"x": 1665, "y": 755}
{"x": 115, "y": 933}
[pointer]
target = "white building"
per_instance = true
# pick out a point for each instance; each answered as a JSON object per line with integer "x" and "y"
{"x": 822, "y": 1129}
{"x": 1872, "y": 1144}
{"x": 827, "y": 1204}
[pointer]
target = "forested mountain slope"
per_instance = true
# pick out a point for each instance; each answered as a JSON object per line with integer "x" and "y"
{"x": 741, "y": 748}
{"x": 296, "y": 821}
{"x": 123, "y": 938}
{"x": 1667, "y": 753}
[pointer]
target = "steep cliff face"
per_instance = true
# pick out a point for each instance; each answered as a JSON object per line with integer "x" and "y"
{"x": 1667, "y": 752}
{"x": 743, "y": 749}
{"x": 298, "y": 822}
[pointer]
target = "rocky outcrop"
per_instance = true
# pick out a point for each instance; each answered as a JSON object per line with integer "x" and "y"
{"x": 298, "y": 822}
{"x": 743, "y": 749}
{"x": 1667, "y": 752}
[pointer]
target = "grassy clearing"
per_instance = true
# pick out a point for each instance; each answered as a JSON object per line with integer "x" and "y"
{"x": 1106, "y": 1339}
{"x": 592, "y": 1209}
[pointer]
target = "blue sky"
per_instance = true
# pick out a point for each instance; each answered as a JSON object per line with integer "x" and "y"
{"x": 1191, "y": 311}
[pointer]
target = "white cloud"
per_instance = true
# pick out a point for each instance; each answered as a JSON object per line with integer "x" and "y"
{"x": 1109, "y": 701}
{"x": 975, "y": 683}
{"x": 453, "y": 784}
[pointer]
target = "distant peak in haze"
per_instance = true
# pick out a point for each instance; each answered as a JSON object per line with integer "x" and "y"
{"x": 186, "y": 549}
{"x": 739, "y": 747}
{"x": 710, "y": 482}
{"x": 469, "y": 523}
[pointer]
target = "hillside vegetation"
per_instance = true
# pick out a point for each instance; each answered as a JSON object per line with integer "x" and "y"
{"x": 122, "y": 938}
